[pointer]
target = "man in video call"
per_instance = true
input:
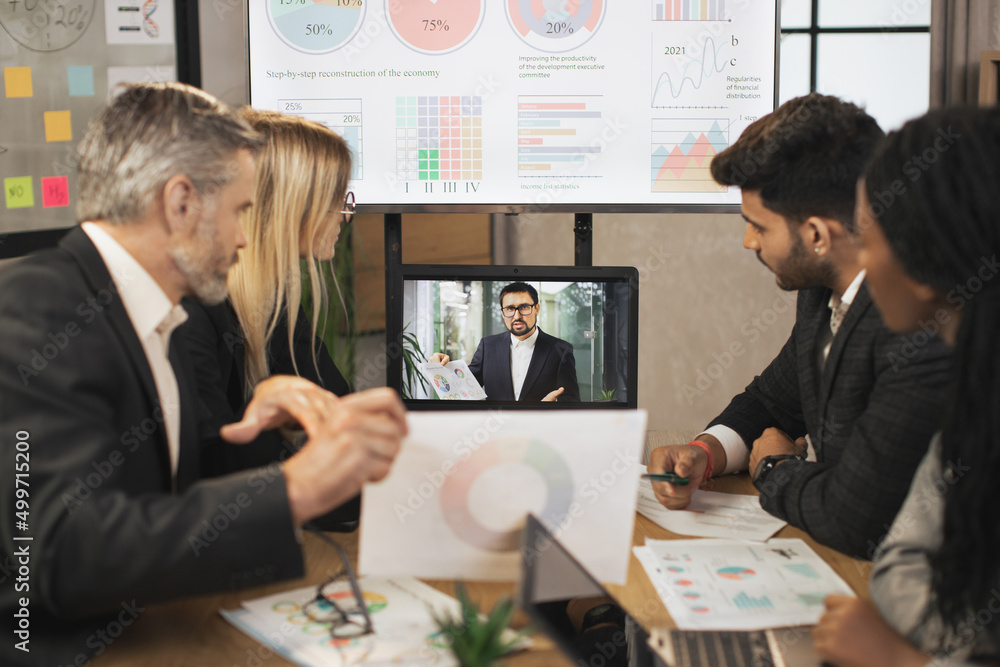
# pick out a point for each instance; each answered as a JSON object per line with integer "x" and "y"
{"x": 833, "y": 429}
{"x": 526, "y": 364}
{"x": 98, "y": 400}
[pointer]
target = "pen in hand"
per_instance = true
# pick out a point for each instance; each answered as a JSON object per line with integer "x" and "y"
{"x": 666, "y": 477}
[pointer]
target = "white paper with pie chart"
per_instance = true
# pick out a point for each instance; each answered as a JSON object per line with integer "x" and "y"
{"x": 457, "y": 496}
{"x": 454, "y": 382}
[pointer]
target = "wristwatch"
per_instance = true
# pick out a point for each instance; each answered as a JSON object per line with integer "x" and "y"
{"x": 601, "y": 614}
{"x": 769, "y": 463}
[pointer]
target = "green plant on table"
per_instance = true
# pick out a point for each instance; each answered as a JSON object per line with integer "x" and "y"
{"x": 475, "y": 640}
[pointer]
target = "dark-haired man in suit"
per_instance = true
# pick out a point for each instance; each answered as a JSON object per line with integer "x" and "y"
{"x": 524, "y": 363}
{"x": 833, "y": 429}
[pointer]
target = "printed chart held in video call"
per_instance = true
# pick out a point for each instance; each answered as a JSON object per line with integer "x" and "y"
{"x": 522, "y": 102}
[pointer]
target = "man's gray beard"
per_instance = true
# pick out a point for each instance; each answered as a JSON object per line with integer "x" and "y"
{"x": 207, "y": 287}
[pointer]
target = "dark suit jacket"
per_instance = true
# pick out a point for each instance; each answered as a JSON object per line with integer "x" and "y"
{"x": 552, "y": 366}
{"x": 213, "y": 338}
{"x": 112, "y": 531}
{"x": 870, "y": 416}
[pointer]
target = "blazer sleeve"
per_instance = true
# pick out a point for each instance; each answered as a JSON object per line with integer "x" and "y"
{"x": 476, "y": 365}
{"x": 567, "y": 373}
{"x": 772, "y": 399}
{"x": 107, "y": 529}
{"x": 849, "y": 501}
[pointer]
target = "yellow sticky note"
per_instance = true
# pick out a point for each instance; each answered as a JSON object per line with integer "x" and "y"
{"x": 17, "y": 81}
{"x": 58, "y": 126}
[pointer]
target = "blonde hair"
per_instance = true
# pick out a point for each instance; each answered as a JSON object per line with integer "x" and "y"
{"x": 302, "y": 174}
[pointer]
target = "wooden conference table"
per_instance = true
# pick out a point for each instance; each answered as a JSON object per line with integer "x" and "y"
{"x": 191, "y": 631}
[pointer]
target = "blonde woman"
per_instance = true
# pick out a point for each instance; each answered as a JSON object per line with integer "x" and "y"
{"x": 300, "y": 204}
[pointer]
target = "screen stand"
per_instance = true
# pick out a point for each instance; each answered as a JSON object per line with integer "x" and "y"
{"x": 393, "y": 299}
{"x": 584, "y": 247}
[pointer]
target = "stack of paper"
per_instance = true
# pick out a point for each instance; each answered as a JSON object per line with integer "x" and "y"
{"x": 400, "y": 610}
{"x": 711, "y": 514}
{"x": 733, "y": 585}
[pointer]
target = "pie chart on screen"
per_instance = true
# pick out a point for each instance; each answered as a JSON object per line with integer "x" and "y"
{"x": 435, "y": 27}
{"x": 555, "y": 25}
{"x": 316, "y": 26}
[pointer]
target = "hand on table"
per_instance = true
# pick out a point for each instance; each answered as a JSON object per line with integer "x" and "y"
{"x": 852, "y": 634}
{"x": 772, "y": 442}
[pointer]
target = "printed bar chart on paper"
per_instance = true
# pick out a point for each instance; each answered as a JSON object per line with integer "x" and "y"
{"x": 341, "y": 116}
{"x": 555, "y": 133}
{"x": 682, "y": 150}
{"x": 689, "y": 10}
{"x": 439, "y": 138}
{"x": 736, "y": 585}
{"x": 316, "y": 26}
{"x": 744, "y": 601}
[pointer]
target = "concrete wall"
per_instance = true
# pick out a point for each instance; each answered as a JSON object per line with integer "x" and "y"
{"x": 710, "y": 315}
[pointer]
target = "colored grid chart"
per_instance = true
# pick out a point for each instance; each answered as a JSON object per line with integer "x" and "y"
{"x": 689, "y": 10}
{"x": 555, "y": 133}
{"x": 341, "y": 116}
{"x": 439, "y": 138}
{"x": 744, "y": 601}
{"x": 682, "y": 150}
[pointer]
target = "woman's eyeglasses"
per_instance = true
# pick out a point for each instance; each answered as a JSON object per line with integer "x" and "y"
{"x": 349, "y": 208}
{"x": 343, "y": 607}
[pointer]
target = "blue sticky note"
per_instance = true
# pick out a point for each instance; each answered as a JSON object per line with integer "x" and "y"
{"x": 81, "y": 80}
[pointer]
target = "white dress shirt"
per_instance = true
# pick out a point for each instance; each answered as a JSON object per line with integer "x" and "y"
{"x": 520, "y": 358}
{"x": 737, "y": 453}
{"x": 154, "y": 318}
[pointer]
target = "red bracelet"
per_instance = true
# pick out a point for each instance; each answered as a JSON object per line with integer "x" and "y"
{"x": 708, "y": 450}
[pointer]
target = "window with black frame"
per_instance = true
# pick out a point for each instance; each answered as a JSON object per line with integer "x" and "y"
{"x": 875, "y": 53}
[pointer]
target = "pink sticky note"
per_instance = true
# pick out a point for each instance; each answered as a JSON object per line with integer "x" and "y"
{"x": 55, "y": 191}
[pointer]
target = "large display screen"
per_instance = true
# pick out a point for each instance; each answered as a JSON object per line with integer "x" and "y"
{"x": 513, "y": 105}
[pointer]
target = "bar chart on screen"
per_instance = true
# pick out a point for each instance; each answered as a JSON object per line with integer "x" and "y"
{"x": 556, "y": 135}
{"x": 689, "y": 10}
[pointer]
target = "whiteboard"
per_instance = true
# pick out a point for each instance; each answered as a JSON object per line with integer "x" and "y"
{"x": 512, "y": 105}
{"x": 58, "y": 59}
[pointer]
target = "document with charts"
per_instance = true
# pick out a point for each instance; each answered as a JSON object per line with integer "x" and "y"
{"x": 711, "y": 514}
{"x": 732, "y": 585}
{"x": 400, "y": 609}
{"x": 454, "y": 382}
